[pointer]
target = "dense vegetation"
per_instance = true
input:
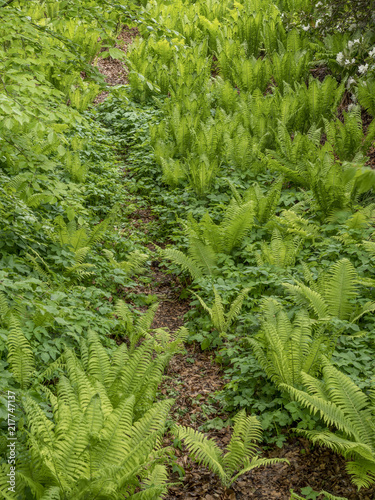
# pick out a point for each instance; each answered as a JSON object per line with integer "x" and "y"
{"x": 249, "y": 129}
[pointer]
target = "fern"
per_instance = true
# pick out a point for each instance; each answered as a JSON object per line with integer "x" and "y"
{"x": 290, "y": 67}
{"x": 296, "y": 225}
{"x": 20, "y": 354}
{"x": 207, "y": 240}
{"x": 196, "y": 269}
{"x": 105, "y": 427}
{"x": 291, "y": 155}
{"x": 341, "y": 404}
{"x": 335, "y": 185}
{"x": 201, "y": 172}
{"x": 264, "y": 203}
{"x": 251, "y": 74}
{"x": 221, "y": 320}
{"x": 281, "y": 251}
{"x": 366, "y": 93}
{"x": 133, "y": 265}
{"x": 347, "y": 137}
{"x": 241, "y": 455}
{"x": 334, "y": 295}
{"x": 284, "y": 348}
{"x": 79, "y": 241}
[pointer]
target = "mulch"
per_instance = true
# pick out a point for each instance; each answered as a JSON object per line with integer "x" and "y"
{"x": 115, "y": 71}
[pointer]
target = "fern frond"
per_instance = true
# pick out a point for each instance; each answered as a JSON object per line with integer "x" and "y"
{"x": 144, "y": 322}
{"x": 123, "y": 312}
{"x": 341, "y": 288}
{"x": 20, "y": 354}
{"x": 52, "y": 493}
{"x": 203, "y": 255}
{"x": 4, "y": 307}
{"x": 247, "y": 432}
{"x": 362, "y": 472}
{"x": 237, "y": 222}
{"x": 98, "y": 365}
{"x": 115, "y": 435}
{"x": 155, "y": 485}
{"x": 203, "y": 449}
{"x": 187, "y": 263}
{"x": 236, "y": 306}
{"x": 259, "y": 462}
{"x": 308, "y": 296}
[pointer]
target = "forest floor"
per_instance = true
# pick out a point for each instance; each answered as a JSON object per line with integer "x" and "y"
{"x": 192, "y": 379}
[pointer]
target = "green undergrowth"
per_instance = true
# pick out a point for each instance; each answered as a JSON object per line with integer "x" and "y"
{"x": 262, "y": 190}
{"x": 247, "y": 137}
{"x": 248, "y": 386}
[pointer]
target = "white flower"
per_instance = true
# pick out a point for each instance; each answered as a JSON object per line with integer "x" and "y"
{"x": 350, "y": 44}
{"x": 362, "y": 69}
{"x": 318, "y": 4}
{"x": 350, "y": 81}
{"x": 353, "y": 98}
{"x": 305, "y": 28}
{"x": 357, "y": 41}
{"x": 346, "y": 62}
{"x": 351, "y": 107}
{"x": 372, "y": 52}
{"x": 353, "y": 60}
{"x": 318, "y": 21}
{"x": 340, "y": 57}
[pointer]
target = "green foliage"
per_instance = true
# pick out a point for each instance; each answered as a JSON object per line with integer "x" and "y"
{"x": 241, "y": 455}
{"x": 284, "y": 348}
{"x": 344, "y": 15}
{"x": 105, "y": 431}
{"x": 221, "y": 96}
{"x": 347, "y": 137}
{"x": 314, "y": 494}
{"x": 221, "y": 320}
{"x": 366, "y": 96}
{"x": 333, "y": 295}
{"x": 341, "y": 404}
{"x": 207, "y": 240}
{"x": 280, "y": 252}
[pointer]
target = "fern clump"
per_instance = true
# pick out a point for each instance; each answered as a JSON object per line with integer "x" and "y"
{"x": 281, "y": 252}
{"x": 284, "y": 348}
{"x": 341, "y": 404}
{"x": 347, "y": 138}
{"x": 241, "y": 455}
{"x": 220, "y": 319}
{"x": 208, "y": 240}
{"x": 334, "y": 295}
{"x": 104, "y": 438}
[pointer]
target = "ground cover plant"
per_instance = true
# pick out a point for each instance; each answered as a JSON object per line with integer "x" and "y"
{"x": 248, "y": 128}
